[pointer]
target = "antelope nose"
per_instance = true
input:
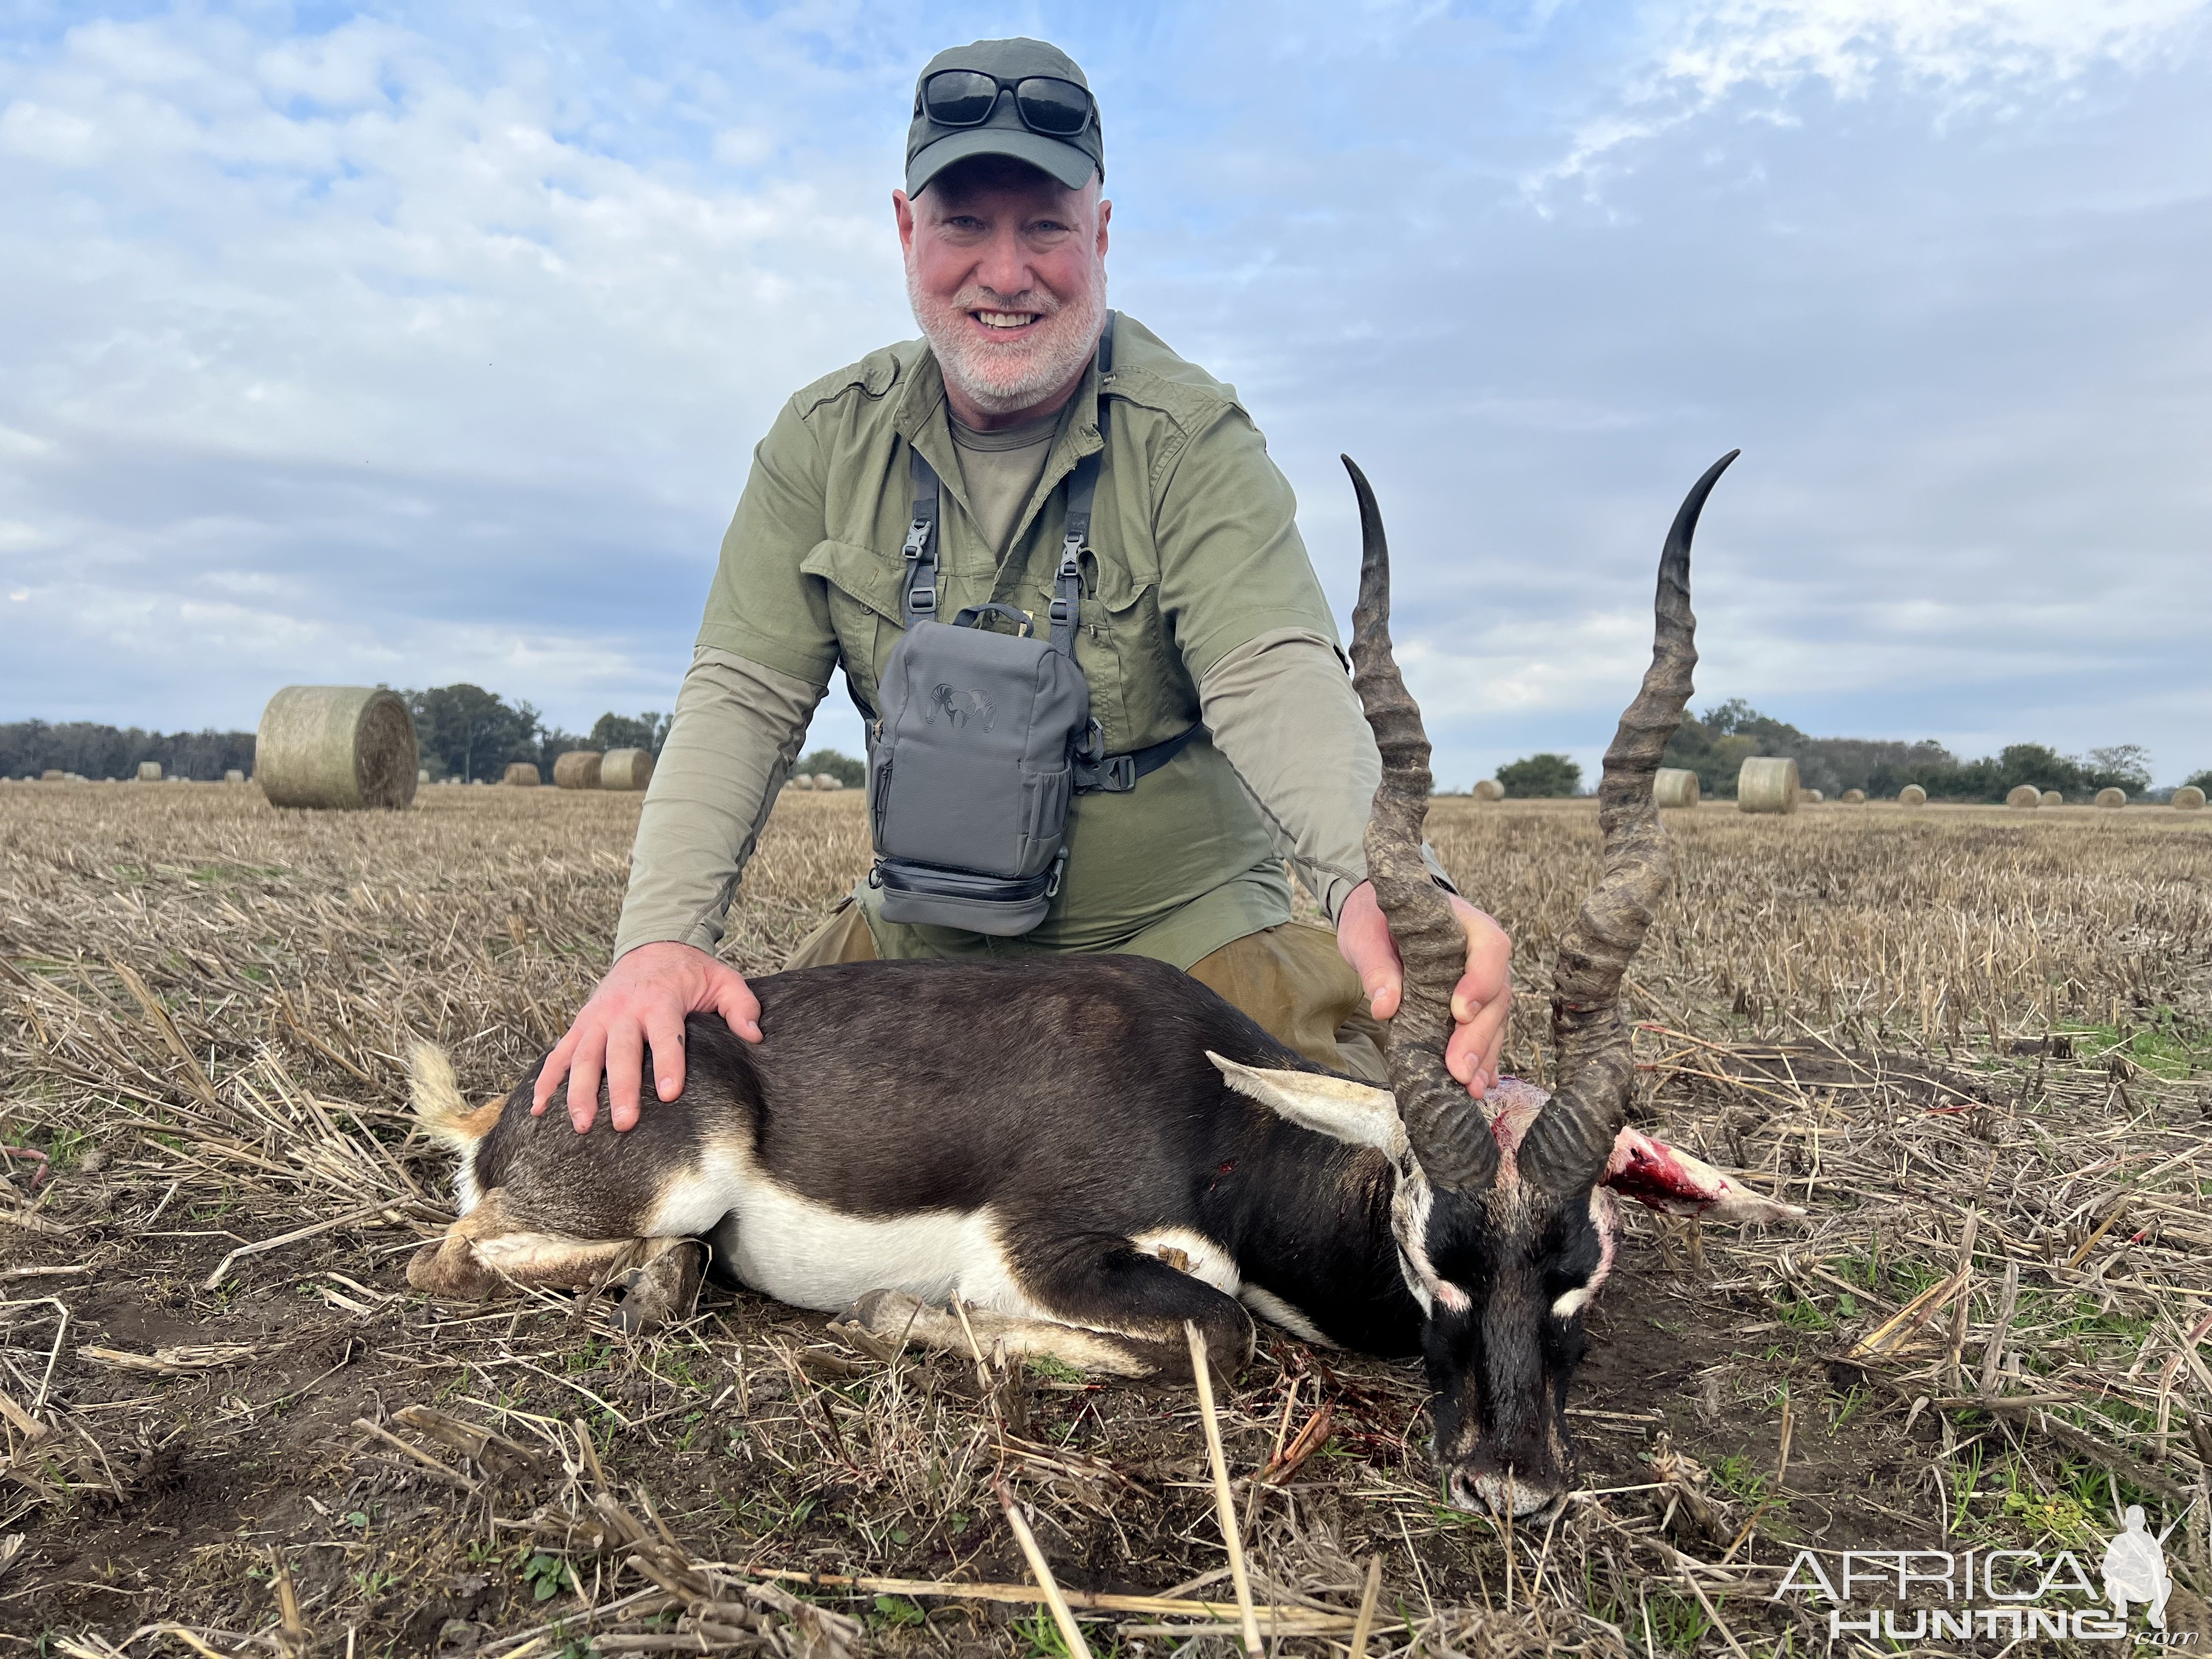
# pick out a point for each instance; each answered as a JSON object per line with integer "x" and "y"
{"x": 1503, "y": 1494}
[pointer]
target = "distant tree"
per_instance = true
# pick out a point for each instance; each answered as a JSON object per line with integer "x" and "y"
{"x": 842, "y": 767}
{"x": 1716, "y": 745}
{"x": 2122, "y": 766}
{"x": 2199, "y": 780}
{"x": 1541, "y": 775}
{"x": 647, "y": 731}
{"x": 2038, "y": 764}
{"x": 470, "y": 733}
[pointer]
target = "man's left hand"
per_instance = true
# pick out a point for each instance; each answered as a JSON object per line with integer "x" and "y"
{"x": 1479, "y": 1002}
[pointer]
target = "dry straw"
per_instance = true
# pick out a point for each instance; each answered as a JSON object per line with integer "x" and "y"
{"x": 1491, "y": 789}
{"x": 2025, "y": 797}
{"x": 150, "y": 771}
{"x": 2111, "y": 797}
{"x": 578, "y": 769}
{"x": 344, "y": 746}
{"x": 1912, "y": 795}
{"x": 1766, "y": 785}
{"x": 1675, "y": 785}
{"x": 520, "y": 775}
{"x": 626, "y": 769}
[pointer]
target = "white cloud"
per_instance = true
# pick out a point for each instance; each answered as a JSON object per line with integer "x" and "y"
{"x": 1851, "y": 44}
{"x": 1962, "y": 52}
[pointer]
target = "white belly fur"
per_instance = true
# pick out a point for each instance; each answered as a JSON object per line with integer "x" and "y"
{"x": 811, "y": 1255}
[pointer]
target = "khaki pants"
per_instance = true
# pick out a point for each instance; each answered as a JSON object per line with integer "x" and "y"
{"x": 1290, "y": 979}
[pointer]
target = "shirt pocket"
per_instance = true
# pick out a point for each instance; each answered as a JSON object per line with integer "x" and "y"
{"x": 1138, "y": 690}
{"x": 866, "y": 612}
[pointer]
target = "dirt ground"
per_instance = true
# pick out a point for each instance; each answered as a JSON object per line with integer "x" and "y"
{"x": 1976, "y": 1047}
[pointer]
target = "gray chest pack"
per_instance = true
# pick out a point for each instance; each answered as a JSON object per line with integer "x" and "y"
{"x": 982, "y": 737}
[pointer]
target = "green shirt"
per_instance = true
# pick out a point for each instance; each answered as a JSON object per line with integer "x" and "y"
{"x": 1198, "y": 553}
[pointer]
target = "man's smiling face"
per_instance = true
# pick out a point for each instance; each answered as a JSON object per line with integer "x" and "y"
{"x": 1006, "y": 269}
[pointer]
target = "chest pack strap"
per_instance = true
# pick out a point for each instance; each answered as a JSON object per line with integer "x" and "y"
{"x": 1114, "y": 774}
{"x": 1095, "y": 771}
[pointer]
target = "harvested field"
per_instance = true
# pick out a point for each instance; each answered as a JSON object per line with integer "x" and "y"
{"x": 1977, "y": 1046}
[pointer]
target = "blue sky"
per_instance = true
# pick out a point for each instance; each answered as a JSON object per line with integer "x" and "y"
{"x": 418, "y": 343}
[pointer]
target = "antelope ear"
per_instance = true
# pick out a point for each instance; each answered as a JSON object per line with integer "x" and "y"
{"x": 1359, "y": 1114}
{"x": 1671, "y": 1180}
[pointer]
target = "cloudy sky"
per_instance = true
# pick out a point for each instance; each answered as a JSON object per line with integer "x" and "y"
{"x": 424, "y": 342}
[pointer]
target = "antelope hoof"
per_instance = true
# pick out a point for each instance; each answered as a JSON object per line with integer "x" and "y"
{"x": 661, "y": 1291}
{"x": 893, "y": 1315}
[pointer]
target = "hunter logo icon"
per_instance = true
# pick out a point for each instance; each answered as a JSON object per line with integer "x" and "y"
{"x": 960, "y": 708}
{"x": 2134, "y": 1570}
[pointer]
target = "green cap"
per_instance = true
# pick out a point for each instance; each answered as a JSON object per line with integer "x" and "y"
{"x": 931, "y": 148}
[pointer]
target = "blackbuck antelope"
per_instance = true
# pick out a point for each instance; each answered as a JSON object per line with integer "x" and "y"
{"x": 1088, "y": 1152}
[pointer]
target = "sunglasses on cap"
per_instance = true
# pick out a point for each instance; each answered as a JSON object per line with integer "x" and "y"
{"x": 1046, "y": 104}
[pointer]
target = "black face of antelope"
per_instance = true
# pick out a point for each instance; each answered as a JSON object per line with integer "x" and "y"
{"x": 1503, "y": 1222}
{"x": 1081, "y": 1157}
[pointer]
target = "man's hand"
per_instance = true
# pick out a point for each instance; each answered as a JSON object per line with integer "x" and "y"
{"x": 1479, "y": 1001}
{"x": 641, "y": 1004}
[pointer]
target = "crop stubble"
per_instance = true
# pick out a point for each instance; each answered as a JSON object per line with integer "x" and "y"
{"x": 1968, "y": 1044}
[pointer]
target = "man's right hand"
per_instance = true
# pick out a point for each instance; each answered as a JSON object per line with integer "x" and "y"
{"x": 640, "y": 1004}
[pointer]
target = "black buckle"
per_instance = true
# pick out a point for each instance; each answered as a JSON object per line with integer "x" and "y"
{"x": 1058, "y": 611}
{"x": 1119, "y": 774}
{"x": 923, "y": 601}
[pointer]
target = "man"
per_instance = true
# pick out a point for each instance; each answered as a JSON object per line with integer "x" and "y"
{"x": 1202, "y": 608}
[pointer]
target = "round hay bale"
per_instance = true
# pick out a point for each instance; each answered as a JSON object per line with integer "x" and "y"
{"x": 2109, "y": 798}
{"x": 1810, "y": 797}
{"x": 627, "y": 770}
{"x": 578, "y": 769}
{"x": 343, "y": 747}
{"x": 1489, "y": 789}
{"x": 1672, "y": 785}
{"x": 2052, "y": 798}
{"x": 2025, "y": 797}
{"x": 52, "y": 774}
{"x": 2189, "y": 798}
{"x": 1912, "y": 795}
{"x": 519, "y": 774}
{"x": 1853, "y": 797}
{"x": 150, "y": 771}
{"x": 825, "y": 780}
{"x": 800, "y": 780}
{"x": 233, "y": 775}
{"x": 422, "y": 775}
{"x": 1765, "y": 784}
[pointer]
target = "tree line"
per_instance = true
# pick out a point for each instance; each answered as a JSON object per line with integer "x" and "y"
{"x": 1715, "y": 745}
{"x": 28, "y": 748}
{"x": 462, "y": 731}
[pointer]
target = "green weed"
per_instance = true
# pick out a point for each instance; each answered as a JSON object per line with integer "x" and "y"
{"x": 547, "y": 1577}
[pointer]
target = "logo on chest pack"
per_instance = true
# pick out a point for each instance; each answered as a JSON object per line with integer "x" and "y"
{"x": 960, "y": 707}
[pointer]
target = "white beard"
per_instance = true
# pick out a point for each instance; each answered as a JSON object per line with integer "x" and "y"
{"x": 1003, "y": 380}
